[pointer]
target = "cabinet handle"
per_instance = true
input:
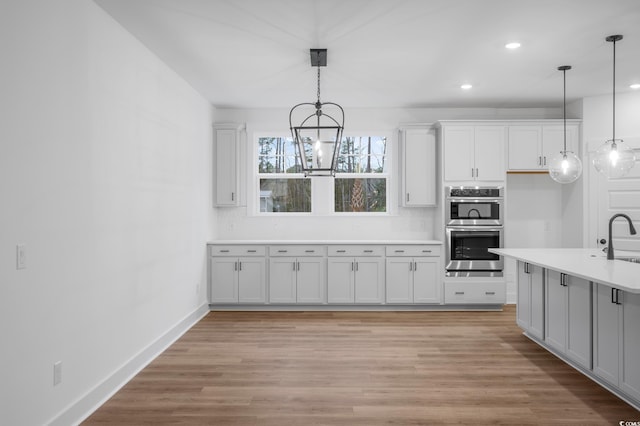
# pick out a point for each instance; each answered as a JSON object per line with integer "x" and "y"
{"x": 298, "y": 265}
{"x": 459, "y": 292}
{"x": 294, "y": 265}
{"x": 251, "y": 251}
{"x": 239, "y": 266}
{"x": 472, "y": 172}
{"x": 563, "y": 280}
{"x": 399, "y": 251}
{"x": 407, "y": 197}
{"x": 415, "y": 266}
{"x": 539, "y": 161}
{"x": 490, "y": 293}
{"x": 426, "y": 251}
{"x": 309, "y": 251}
{"x": 368, "y": 251}
{"x": 235, "y": 267}
{"x": 224, "y": 251}
{"x": 341, "y": 251}
{"x": 282, "y": 251}
{"x": 544, "y": 161}
{"x": 410, "y": 266}
{"x": 352, "y": 268}
{"x": 356, "y": 266}
{"x": 526, "y": 268}
{"x": 616, "y": 292}
{"x": 233, "y": 196}
{"x": 477, "y": 174}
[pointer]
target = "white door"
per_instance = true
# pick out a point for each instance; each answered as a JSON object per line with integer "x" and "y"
{"x": 224, "y": 276}
{"x": 490, "y": 153}
{"x": 369, "y": 280}
{"x": 310, "y": 280}
{"x": 611, "y": 196}
{"x": 399, "y": 280}
{"x": 459, "y": 154}
{"x": 426, "y": 282}
{"x": 340, "y": 280}
{"x": 282, "y": 280}
{"x": 251, "y": 280}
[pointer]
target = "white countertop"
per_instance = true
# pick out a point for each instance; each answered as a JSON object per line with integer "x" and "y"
{"x": 327, "y": 242}
{"x": 590, "y": 264}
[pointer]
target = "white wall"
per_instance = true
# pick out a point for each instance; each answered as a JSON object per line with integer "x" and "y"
{"x": 105, "y": 177}
{"x": 402, "y": 223}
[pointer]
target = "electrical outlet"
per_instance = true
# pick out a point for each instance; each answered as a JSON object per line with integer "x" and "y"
{"x": 21, "y": 256}
{"x": 57, "y": 373}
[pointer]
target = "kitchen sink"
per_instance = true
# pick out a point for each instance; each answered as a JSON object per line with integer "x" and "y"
{"x": 629, "y": 259}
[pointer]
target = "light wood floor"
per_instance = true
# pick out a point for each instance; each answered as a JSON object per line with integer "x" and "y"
{"x": 384, "y": 368}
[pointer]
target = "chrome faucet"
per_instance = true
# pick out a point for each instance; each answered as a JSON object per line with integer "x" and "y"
{"x": 632, "y": 231}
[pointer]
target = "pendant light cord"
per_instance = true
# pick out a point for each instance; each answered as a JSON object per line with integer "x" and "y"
{"x": 614, "y": 91}
{"x": 564, "y": 108}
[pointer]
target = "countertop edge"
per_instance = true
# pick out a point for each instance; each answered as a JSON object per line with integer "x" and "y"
{"x": 324, "y": 242}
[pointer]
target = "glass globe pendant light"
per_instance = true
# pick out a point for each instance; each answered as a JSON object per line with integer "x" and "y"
{"x": 614, "y": 158}
{"x": 565, "y": 167}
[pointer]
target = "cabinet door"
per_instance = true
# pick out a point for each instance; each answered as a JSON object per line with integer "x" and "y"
{"x": 419, "y": 168}
{"x": 399, "y": 280}
{"x": 630, "y": 374}
{"x": 282, "y": 280}
{"x": 523, "y": 298}
{"x": 606, "y": 326}
{"x": 340, "y": 280}
{"x": 553, "y": 141}
{"x": 578, "y": 309}
{"x": 556, "y": 315}
{"x": 489, "y": 153}
{"x": 524, "y": 146}
{"x": 226, "y": 168}
{"x": 310, "y": 280}
{"x": 426, "y": 280}
{"x": 459, "y": 162}
{"x": 369, "y": 280}
{"x": 251, "y": 280}
{"x": 536, "y": 327}
{"x": 224, "y": 276}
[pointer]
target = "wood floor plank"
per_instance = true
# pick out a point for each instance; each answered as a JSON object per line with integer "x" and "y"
{"x": 360, "y": 368}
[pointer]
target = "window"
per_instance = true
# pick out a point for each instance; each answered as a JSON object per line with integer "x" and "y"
{"x": 283, "y": 188}
{"x": 361, "y": 177}
{"x": 360, "y": 185}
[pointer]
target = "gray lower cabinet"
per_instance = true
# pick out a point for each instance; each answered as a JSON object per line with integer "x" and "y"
{"x": 237, "y": 279}
{"x": 296, "y": 280}
{"x": 616, "y": 338}
{"x": 568, "y": 316}
{"x": 530, "y": 299}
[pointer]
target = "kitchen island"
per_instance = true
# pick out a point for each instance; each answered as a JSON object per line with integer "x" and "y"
{"x": 585, "y": 309}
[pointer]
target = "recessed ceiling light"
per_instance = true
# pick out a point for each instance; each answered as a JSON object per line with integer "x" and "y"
{"x": 635, "y": 86}
{"x": 512, "y": 45}
{"x": 466, "y": 86}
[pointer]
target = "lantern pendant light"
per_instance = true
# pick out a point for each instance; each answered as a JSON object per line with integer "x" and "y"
{"x": 614, "y": 158}
{"x": 319, "y": 134}
{"x": 565, "y": 167}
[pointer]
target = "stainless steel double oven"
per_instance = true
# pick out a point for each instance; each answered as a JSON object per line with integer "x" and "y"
{"x": 474, "y": 222}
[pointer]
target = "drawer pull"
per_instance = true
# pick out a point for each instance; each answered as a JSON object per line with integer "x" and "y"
{"x": 459, "y": 292}
{"x": 309, "y": 251}
{"x": 341, "y": 251}
{"x": 252, "y": 251}
{"x": 399, "y": 251}
{"x": 368, "y": 251}
{"x": 426, "y": 251}
{"x": 490, "y": 293}
{"x": 224, "y": 251}
{"x": 282, "y": 251}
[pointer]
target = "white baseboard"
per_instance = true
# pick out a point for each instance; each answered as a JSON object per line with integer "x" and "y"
{"x": 92, "y": 400}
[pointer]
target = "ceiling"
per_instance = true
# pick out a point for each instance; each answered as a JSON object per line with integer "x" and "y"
{"x": 387, "y": 54}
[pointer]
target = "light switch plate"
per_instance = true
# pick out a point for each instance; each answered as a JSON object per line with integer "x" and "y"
{"x": 21, "y": 256}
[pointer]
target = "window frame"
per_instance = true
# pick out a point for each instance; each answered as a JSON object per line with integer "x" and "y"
{"x": 322, "y": 188}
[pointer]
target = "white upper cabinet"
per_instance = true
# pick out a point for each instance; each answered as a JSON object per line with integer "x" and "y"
{"x": 473, "y": 152}
{"x": 418, "y": 167}
{"x": 228, "y": 167}
{"x": 531, "y": 147}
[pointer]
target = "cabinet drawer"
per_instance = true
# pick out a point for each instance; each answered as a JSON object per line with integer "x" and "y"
{"x": 474, "y": 293}
{"x": 413, "y": 250}
{"x": 356, "y": 250}
{"x": 297, "y": 251}
{"x": 237, "y": 250}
